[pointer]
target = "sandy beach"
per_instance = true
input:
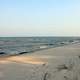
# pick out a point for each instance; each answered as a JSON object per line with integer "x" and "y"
{"x": 60, "y": 63}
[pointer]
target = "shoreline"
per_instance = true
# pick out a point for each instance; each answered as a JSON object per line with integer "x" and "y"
{"x": 40, "y": 49}
{"x": 27, "y": 53}
{"x": 43, "y": 46}
{"x": 32, "y": 55}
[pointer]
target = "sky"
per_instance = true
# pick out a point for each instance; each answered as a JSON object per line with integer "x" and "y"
{"x": 39, "y": 18}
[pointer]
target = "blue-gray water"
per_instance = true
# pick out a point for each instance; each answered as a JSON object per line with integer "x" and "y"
{"x": 17, "y": 45}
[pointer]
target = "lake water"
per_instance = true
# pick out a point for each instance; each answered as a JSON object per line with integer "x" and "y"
{"x": 20, "y": 45}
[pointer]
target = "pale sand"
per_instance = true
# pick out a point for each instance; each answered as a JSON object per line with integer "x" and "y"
{"x": 61, "y": 63}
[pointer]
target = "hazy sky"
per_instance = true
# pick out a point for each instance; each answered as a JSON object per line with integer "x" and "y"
{"x": 39, "y": 17}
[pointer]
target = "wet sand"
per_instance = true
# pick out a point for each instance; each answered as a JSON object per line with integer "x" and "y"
{"x": 61, "y": 63}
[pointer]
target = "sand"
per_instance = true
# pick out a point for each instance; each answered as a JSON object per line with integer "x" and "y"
{"x": 60, "y": 63}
